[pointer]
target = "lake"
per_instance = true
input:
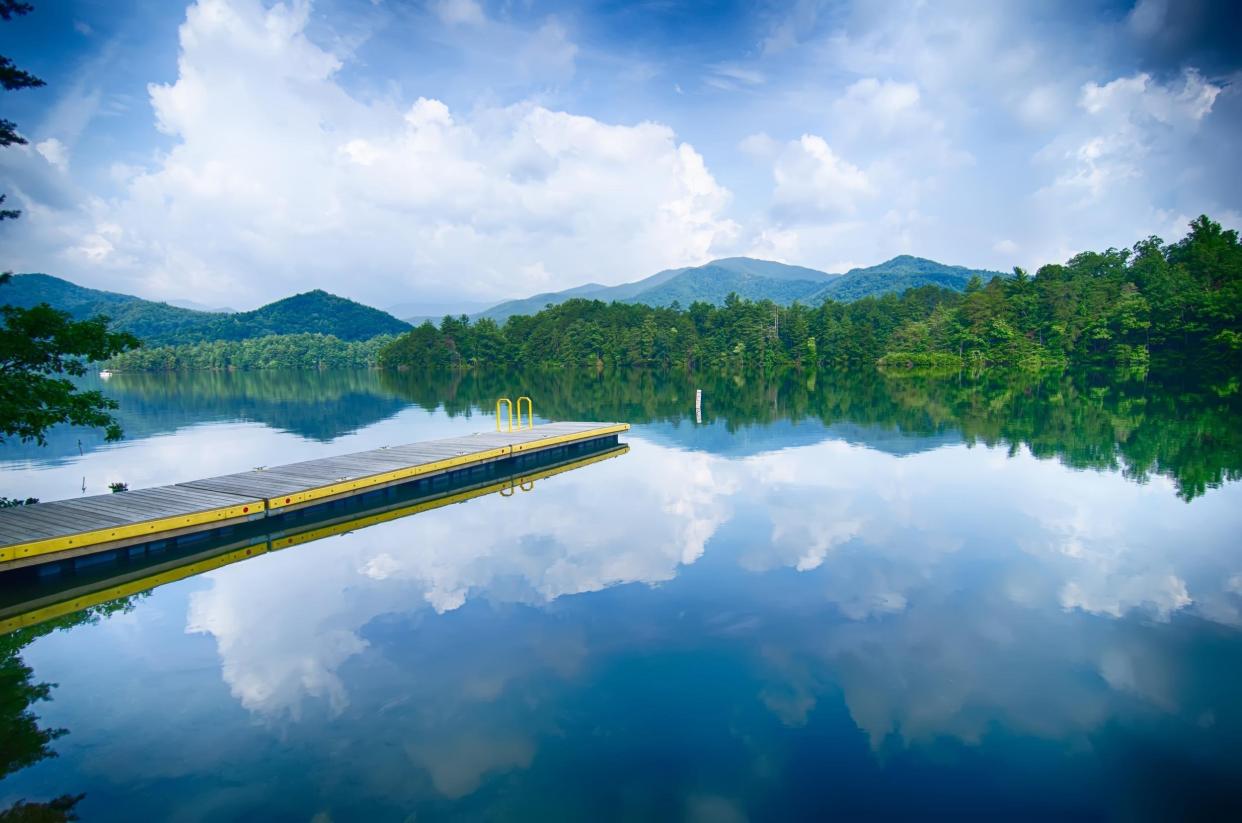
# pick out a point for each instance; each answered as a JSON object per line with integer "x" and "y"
{"x": 833, "y": 596}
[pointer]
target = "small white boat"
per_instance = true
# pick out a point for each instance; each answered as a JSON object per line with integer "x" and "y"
{"x": 105, "y": 374}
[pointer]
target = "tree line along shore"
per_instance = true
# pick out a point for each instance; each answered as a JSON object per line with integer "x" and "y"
{"x": 1154, "y": 305}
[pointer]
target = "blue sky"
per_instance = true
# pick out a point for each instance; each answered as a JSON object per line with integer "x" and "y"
{"x": 235, "y": 151}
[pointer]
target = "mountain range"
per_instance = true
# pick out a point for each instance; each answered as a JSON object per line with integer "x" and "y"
{"x": 320, "y": 312}
{"x": 160, "y": 323}
{"x": 415, "y": 312}
{"x": 756, "y": 280}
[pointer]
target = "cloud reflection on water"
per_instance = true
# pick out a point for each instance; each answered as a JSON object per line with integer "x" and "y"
{"x": 940, "y": 587}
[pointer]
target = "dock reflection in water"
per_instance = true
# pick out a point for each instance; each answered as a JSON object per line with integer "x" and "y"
{"x": 36, "y": 595}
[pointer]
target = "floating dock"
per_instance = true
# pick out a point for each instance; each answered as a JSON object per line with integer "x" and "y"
{"x": 50, "y": 532}
{"x": 37, "y": 598}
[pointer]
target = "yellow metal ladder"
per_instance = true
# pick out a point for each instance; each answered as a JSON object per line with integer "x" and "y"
{"x": 509, "y": 407}
{"x": 526, "y": 484}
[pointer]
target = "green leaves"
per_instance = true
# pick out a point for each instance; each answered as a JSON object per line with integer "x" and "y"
{"x": 40, "y": 348}
{"x": 1157, "y": 306}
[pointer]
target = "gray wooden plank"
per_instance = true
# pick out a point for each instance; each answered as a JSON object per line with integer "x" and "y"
{"x": 130, "y": 514}
{"x": 126, "y": 501}
{"x": 257, "y": 484}
{"x": 314, "y": 475}
{"x": 211, "y": 499}
{"x": 320, "y": 470}
{"x": 265, "y": 485}
{"x": 248, "y": 487}
{"x": 330, "y": 473}
{"x": 48, "y": 515}
{"x": 28, "y": 531}
{"x": 165, "y": 504}
{"x": 315, "y": 480}
{"x": 363, "y": 463}
{"x": 58, "y": 522}
{"x": 335, "y": 469}
{"x": 187, "y": 497}
{"x": 383, "y": 458}
{"x": 421, "y": 454}
{"x": 169, "y": 504}
{"x": 74, "y": 517}
{"x": 9, "y": 533}
{"x": 42, "y": 530}
{"x": 435, "y": 447}
{"x": 129, "y": 511}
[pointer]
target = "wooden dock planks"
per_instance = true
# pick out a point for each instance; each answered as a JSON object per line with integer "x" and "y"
{"x": 48, "y": 531}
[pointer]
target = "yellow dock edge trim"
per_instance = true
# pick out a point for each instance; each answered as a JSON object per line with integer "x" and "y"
{"x": 589, "y": 434}
{"x": 278, "y": 543}
{"x": 147, "y": 527}
{"x": 552, "y": 471}
{"x": 366, "y": 481}
{"x": 33, "y": 618}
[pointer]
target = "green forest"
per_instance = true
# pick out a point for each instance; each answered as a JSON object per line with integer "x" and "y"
{"x": 277, "y": 351}
{"x": 1154, "y": 305}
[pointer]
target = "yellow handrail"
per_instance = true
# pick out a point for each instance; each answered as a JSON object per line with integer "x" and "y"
{"x": 508, "y": 403}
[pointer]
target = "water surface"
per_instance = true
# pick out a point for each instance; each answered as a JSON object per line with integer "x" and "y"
{"x": 829, "y": 597}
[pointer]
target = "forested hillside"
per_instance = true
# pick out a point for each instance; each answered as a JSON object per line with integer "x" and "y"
{"x": 753, "y": 279}
{"x": 895, "y": 276}
{"x": 315, "y": 312}
{"x": 280, "y": 351}
{"x": 711, "y": 282}
{"x": 1168, "y": 304}
{"x": 146, "y": 319}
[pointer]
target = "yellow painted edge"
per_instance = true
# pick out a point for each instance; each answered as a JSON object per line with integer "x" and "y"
{"x": 543, "y": 474}
{"x": 355, "y": 484}
{"x": 589, "y": 434}
{"x": 146, "y": 527}
{"x": 429, "y": 505}
{"x": 46, "y": 613}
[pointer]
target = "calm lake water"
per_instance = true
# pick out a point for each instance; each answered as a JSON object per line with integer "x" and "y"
{"x": 833, "y": 597}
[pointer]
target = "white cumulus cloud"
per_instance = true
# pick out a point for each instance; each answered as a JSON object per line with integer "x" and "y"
{"x": 813, "y": 181}
{"x": 54, "y": 152}
{"x": 279, "y": 178}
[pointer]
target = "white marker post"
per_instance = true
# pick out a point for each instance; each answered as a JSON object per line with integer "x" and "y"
{"x": 698, "y": 405}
